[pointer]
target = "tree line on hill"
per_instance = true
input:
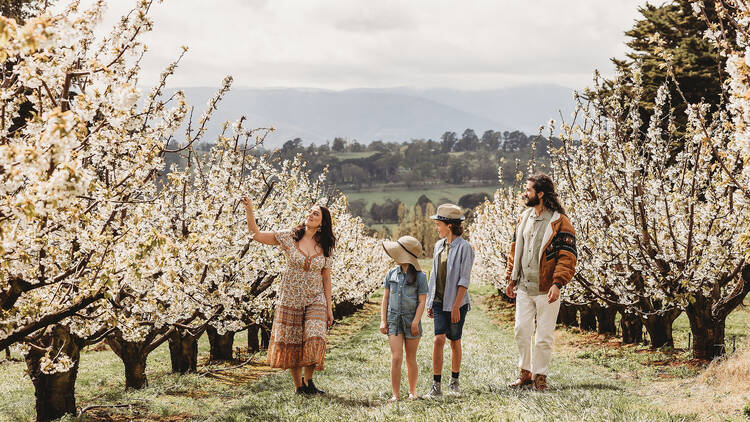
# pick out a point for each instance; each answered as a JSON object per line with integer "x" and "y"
{"x": 453, "y": 159}
{"x": 414, "y": 164}
{"x": 393, "y": 211}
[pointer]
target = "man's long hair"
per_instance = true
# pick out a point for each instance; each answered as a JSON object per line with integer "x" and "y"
{"x": 543, "y": 183}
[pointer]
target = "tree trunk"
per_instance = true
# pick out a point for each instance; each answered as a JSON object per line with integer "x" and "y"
{"x": 133, "y": 355}
{"x": 659, "y": 327}
{"x": 588, "y": 318}
{"x": 265, "y": 337}
{"x": 568, "y": 315}
{"x": 343, "y": 309}
{"x": 221, "y": 344}
{"x": 708, "y": 331}
{"x": 183, "y": 351}
{"x": 253, "y": 343}
{"x": 632, "y": 328}
{"x": 605, "y": 316}
{"x": 55, "y": 393}
{"x": 135, "y": 371}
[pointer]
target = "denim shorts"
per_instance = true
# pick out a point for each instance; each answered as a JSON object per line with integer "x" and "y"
{"x": 443, "y": 324}
{"x": 401, "y": 324}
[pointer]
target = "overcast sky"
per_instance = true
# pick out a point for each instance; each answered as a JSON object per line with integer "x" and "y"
{"x": 473, "y": 44}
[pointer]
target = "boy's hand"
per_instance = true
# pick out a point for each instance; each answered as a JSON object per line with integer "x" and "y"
{"x": 415, "y": 328}
{"x": 455, "y": 314}
{"x": 383, "y": 327}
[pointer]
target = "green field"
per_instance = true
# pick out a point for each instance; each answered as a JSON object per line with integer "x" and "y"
{"x": 409, "y": 197}
{"x": 353, "y": 155}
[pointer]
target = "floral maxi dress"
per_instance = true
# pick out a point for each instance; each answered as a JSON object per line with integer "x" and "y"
{"x": 298, "y": 335}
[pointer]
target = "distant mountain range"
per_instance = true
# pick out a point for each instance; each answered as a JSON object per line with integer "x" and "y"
{"x": 391, "y": 114}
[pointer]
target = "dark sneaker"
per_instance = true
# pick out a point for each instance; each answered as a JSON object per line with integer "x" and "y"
{"x": 454, "y": 387}
{"x": 312, "y": 389}
{"x": 434, "y": 392}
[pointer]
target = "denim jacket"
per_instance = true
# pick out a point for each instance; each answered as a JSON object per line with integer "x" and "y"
{"x": 403, "y": 299}
{"x": 460, "y": 260}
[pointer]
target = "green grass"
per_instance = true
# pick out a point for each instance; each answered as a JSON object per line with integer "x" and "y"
{"x": 358, "y": 385}
{"x": 640, "y": 361}
{"x": 409, "y": 197}
{"x": 101, "y": 380}
{"x": 357, "y": 380}
{"x": 353, "y": 155}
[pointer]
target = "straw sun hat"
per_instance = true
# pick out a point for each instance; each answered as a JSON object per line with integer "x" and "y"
{"x": 405, "y": 250}
{"x": 448, "y": 213}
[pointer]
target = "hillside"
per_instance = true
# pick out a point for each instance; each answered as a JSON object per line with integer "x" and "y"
{"x": 394, "y": 114}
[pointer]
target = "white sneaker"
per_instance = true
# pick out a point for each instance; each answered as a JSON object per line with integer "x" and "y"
{"x": 454, "y": 387}
{"x": 434, "y": 392}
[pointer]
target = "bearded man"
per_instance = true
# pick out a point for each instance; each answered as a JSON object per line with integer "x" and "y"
{"x": 541, "y": 261}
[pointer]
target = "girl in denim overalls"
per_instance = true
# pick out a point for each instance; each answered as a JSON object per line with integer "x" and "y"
{"x": 402, "y": 307}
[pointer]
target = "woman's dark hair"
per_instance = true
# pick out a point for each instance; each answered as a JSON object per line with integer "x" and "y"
{"x": 543, "y": 183}
{"x": 324, "y": 236}
{"x": 411, "y": 275}
{"x": 456, "y": 227}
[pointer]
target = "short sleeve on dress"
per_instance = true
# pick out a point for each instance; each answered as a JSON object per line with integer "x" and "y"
{"x": 284, "y": 237}
{"x": 386, "y": 285}
{"x": 329, "y": 261}
{"x": 421, "y": 283}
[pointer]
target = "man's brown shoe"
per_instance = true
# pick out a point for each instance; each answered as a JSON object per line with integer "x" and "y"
{"x": 523, "y": 380}
{"x": 540, "y": 382}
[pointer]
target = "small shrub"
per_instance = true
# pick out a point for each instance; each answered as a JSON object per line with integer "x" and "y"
{"x": 746, "y": 410}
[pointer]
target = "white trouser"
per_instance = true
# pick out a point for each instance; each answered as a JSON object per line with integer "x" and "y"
{"x": 528, "y": 307}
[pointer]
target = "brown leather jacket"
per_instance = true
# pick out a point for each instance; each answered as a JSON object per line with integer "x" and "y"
{"x": 557, "y": 260}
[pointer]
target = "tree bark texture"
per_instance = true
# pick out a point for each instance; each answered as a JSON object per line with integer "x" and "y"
{"x": 568, "y": 315}
{"x": 55, "y": 393}
{"x": 632, "y": 328}
{"x": 588, "y": 318}
{"x": 221, "y": 345}
{"x": 183, "y": 351}
{"x": 605, "y": 317}
{"x": 659, "y": 328}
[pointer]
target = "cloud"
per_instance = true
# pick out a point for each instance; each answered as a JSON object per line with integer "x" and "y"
{"x": 341, "y": 44}
{"x": 375, "y": 17}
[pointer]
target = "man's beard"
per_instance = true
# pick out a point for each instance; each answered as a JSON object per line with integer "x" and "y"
{"x": 532, "y": 202}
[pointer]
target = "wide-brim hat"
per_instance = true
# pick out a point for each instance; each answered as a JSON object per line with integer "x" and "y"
{"x": 405, "y": 250}
{"x": 448, "y": 213}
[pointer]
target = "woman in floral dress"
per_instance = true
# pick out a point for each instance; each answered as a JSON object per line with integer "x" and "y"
{"x": 303, "y": 311}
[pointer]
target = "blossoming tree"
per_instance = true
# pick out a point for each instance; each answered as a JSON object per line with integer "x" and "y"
{"x": 77, "y": 157}
{"x": 95, "y": 245}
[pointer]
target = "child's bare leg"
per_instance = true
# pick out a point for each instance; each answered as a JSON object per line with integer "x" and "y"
{"x": 411, "y": 363}
{"x": 397, "y": 355}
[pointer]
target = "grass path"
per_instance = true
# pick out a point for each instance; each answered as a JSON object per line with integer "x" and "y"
{"x": 358, "y": 385}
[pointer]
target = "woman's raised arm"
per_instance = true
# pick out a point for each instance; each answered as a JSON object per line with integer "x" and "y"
{"x": 268, "y": 238}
